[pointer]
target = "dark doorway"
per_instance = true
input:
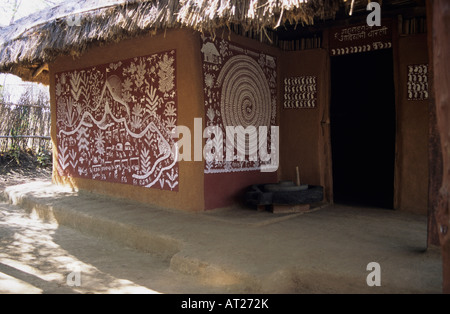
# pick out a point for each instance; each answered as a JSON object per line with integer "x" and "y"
{"x": 362, "y": 114}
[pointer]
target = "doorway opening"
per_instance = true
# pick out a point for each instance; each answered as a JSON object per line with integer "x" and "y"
{"x": 362, "y": 115}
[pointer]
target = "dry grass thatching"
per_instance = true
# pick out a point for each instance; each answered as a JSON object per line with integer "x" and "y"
{"x": 39, "y": 38}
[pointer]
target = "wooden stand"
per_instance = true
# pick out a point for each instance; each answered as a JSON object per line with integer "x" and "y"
{"x": 283, "y": 209}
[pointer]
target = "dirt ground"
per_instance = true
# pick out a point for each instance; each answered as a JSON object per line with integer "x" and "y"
{"x": 324, "y": 251}
{"x": 38, "y": 257}
{"x": 28, "y": 169}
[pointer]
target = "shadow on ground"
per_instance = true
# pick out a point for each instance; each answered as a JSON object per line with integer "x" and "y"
{"x": 119, "y": 246}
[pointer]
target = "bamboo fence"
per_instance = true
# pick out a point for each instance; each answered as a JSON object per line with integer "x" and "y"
{"x": 24, "y": 126}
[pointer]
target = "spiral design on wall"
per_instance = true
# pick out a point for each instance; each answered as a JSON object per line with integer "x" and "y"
{"x": 245, "y": 98}
{"x": 245, "y": 95}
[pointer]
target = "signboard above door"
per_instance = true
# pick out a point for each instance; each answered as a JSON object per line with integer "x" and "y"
{"x": 360, "y": 38}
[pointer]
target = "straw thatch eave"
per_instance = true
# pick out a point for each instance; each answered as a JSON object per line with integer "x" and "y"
{"x": 36, "y": 40}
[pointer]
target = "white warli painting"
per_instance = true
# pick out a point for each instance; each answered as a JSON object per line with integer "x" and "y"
{"x": 240, "y": 89}
{"x": 300, "y": 92}
{"x": 114, "y": 122}
{"x": 417, "y": 86}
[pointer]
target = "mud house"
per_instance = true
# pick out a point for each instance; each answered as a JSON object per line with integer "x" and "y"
{"x": 354, "y": 103}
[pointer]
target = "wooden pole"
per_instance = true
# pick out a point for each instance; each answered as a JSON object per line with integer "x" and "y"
{"x": 434, "y": 145}
{"x": 298, "y": 176}
{"x": 441, "y": 67}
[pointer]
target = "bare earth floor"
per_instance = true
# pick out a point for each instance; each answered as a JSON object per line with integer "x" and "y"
{"x": 57, "y": 236}
{"x": 38, "y": 256}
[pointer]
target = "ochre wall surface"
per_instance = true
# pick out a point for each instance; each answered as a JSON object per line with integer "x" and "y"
{"x": 303, "y": 132}
{"x": 189, "y": 87}
{"x": 412, "y": 131}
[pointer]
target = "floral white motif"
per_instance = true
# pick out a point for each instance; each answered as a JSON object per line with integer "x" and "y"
{"x": 114, "y": 121}
{"x": 166, "y": 74}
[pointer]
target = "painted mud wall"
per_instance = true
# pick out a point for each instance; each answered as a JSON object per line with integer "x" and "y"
{"x": 195, "y": 190}
{"x": 304, "y": 131}
{"x": 412, "y": 124}
{"x": 188, "y": 104}
{"x": 304, "y": 123}
{"x": 304, "y": 127}
{"x": 115, "y": 122}
{"x": 225, "y": 188}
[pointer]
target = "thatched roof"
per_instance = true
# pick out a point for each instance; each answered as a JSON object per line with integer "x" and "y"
{"x": 32, "y": 42}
